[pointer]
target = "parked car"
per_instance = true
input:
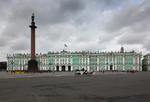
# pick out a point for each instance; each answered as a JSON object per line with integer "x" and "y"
{"x": 83, "y": 72}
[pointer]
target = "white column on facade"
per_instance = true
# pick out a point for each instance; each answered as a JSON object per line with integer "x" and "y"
{"x": 97, "y": 64}
{"x": 66, "y": 67}
{"x": 67, "y": 62}
{"x": 55, "y": 60}
{"x": 113, "y": 62}
{"x": 138, "y": 59}
{"x": 123, "y": 62}
{"x": 41, "y": 64}
{"x": 134, "y": 60}
{"x": 71, "y": 67}
{"x": 60, "y": 60}
{"x": 43, "y": 67}
{"x": 104, "y": 62}
{"x": 46, "y": 63}
{"x": 108, "y": 62}
{"x": 71, "y": 61}
{"x": 140, "y": 63}
{"x": 54, "y": 68}
{"x": 134, "y": 64}
{"x": 116, "y": 62}
{"x": 23, "y": 63}
{"x": 60, "y": 68}
{"x": 19, "y": 63}
{"x": 88, "y": 68}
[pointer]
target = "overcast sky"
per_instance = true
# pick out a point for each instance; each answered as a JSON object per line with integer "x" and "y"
{"x": 94, "y": 25}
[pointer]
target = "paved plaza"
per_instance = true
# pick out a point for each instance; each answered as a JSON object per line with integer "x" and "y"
{"x": 67, "y": 87}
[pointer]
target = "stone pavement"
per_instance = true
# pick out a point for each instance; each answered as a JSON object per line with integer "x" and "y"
{"x": 62, "y": 87}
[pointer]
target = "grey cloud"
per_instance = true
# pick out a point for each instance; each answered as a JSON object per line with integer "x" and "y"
{"x": 132, "y": 20}
{"x": 61, "y": 11}
{"x": 12, "y": 32}
{"x": 47, "y": 13}
{"x": 147, "y": 46}
{"x": 61, "y": 21}
{"x": 3, "y": 10}
{"x": 71, "y": 5}
{"x": 146, "y": 43}
{"x": 131, "y": 39}
{"x": 129, "y": 16}
{"x": 3, "y": 42}
{"x": 20, "y": 44}
{"x": 109, "y": 4}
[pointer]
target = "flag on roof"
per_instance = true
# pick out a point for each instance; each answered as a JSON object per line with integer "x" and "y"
{"x": 65, "y": 45}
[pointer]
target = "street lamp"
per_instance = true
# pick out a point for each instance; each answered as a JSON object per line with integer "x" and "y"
{"x": 12, "y": 65}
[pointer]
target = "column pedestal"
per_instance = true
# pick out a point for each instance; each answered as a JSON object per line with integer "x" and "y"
{"x": 32, "y": 66}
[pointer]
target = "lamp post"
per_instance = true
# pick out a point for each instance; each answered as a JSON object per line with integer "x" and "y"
{"x": 12, "y": 65}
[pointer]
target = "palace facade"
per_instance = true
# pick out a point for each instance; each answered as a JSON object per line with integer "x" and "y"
{"x": 70, "y": 61}
{"x": 146, "y": 62}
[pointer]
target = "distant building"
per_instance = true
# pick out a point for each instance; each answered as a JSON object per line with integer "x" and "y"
{"x": 146, "y": 63}
{"x": 70, "y": 61}
{"x": 3, "y": 66}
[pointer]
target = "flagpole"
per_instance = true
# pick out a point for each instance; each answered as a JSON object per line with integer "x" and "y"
{"x": 65, "y": 46}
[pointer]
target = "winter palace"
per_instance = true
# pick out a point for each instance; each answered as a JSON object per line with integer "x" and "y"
{"x": 70, "y": 61}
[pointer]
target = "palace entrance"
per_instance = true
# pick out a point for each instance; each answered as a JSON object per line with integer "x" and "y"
{"x": 69, "y": 68}
{"x": 63, "y": 68}
{"x": 57, "y": 68}
{"x": 111, "y": 67}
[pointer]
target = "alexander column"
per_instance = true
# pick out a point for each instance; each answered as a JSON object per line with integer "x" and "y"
{"x": 32, "y": 63}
